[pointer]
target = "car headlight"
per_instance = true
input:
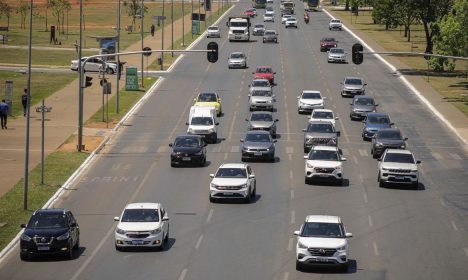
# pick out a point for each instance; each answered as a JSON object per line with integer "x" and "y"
{"x": 339, "y": 168}
{"x": 25, "y": 237}
{"x": 199, "y": 153}
{"x": 270, "y": 101}
{"x": 214, "y": 186}
{"x": 64, "y": 236}
{"x": 189, "y": 130}
{"x": 384, "y": 169}
{"x": 379, "y": 144}
{"x": 244, "y": 186}
{"x": 341, "y": 248}
{"x": 211, "y": 130}
{"x": 120, "y": 231}
{"x": 309, "y": 165}
{"x": 155, "y": 231}
{"x": 403, "y": 146}
{"x": 301, "y": 246}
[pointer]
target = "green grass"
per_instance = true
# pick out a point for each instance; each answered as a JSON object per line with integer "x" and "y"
{"x": 58, "y": 167}
{"x": 40, "y": 57}
{"x": 42, "y": 86}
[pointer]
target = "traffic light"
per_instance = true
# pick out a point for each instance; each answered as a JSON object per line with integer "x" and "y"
{"x": 207, "y": 5}
{"x": 87, "y": 82}
{"x": 358, "y": 56}
{"x": 212, "y": 53}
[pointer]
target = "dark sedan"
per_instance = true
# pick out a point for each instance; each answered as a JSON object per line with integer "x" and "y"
{"x": 258, "y": 145}
{"x": 361, "y": 106}
{"x": 50, "y": 231}
{"x": 385, "y": 139}
{"x": 374, "y": 122}
{"x": 188, "y": 150}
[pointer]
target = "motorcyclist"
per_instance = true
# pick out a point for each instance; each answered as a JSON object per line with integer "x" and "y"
{"x": 306, "y": 17}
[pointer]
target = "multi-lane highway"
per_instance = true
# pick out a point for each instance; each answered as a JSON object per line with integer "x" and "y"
{"x": 398, "y": 233}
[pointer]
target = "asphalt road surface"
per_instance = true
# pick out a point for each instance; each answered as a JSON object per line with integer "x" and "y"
{"x": 398, "y": 233}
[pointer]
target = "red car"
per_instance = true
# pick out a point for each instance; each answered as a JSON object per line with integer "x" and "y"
{"x": 265, "y": 72}
{"x": 250, "y": 12}
{"x": 328, "y": 43}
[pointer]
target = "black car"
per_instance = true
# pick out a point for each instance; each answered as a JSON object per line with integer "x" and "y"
{"x": 50, "y": 231}
{"x": 188, "y": 150}
{"x": 387, "y": 138}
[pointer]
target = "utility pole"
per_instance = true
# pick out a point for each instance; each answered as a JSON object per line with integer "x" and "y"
{"x": 142, "y": 72}
{"x": 80, "y": 86}
{"x": 172, "y": 26}
{"x": 162, "y": 38}
{"x": 119, "y": 71}
{"x": 43, "y": 109}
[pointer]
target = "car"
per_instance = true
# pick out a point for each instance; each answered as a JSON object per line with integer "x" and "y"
{"x": 361, "y": 106}
{"x": 309, "y": 100}
{"x": 373, "y": 122}
{"x": 250, "y": 12}
{"x": 387, "y": 138}
{"x": 323, "y": 115}
{"x": 270, "y": 10}
{"x": 258, "y": 144}
{"x": 258, "y": 29}
{"x": 262, "y": 120}
{"x": 261, "y": 99}
{"x": 237, "y": 60}
{"x": 269, "y": 16}
{"x": 320, "y": 133}
{"x": 209, "y": 99}
{"x": 352, "y": 86}
{"x": 285, "y": 17}
{"x": 265, "y": 72}
{"x": 202, "y": 121}
{"x": 335, "y": 24}
{"x": 257, "y": 84}
{"x": 290, "y": 22}
{"x": 324, "y": 163}
{"x": 269, "y": 1}
{"x": 233, "y": 181}
{"x": 398, "y": 166}
{"x": 94, "y": 64}
{"x": 322, "y": 240}
{"x": 142, "y": 224}
{"x": 270, "y": 36}
{"x": 50, "y": 231}
{"x": 327, "y": 43}
{"x": 213, "y": 32}
{"x": 336, "y": 55}
{"x": 188, "y": 150}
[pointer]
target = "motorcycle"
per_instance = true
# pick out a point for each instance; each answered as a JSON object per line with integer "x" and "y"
{"x": 306, "y": 18}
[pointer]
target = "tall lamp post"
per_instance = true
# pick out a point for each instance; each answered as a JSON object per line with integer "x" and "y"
{"x": 172, "y": 26}
{"x": 119, "y": 70}
{"x": 162, "y": 38}
{"x": 183, "y": 24}
{"x": 80, "y": 86}
{"x": 142, "y": 9}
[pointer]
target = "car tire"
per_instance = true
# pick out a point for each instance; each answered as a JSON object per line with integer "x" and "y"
{"x": 306, "y": 150}
{"x": 298, "y": 266}
{"x": 339, "y": 182}
{"x": 381, "y": 183}
{"x": 24, "y": 256}
{"x": 274, "y": 135}
{"x": 212, "y": 199}
{"x": 416, "y": 185}
{"x": 344, "y": 267}
{"x": 109, "y": 71}
{"x": 77, "y": 244}
{"x": 248, "y": 199}
{"x": 203, "y": 162}
{"x": 173, "y": 164}
{"x": 118, "y": 248}
{"x": 306, "y": 181}
{"x": 69, "y": 254}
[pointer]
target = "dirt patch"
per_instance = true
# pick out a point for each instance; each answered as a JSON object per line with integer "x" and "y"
{"x": 90, "y": 143}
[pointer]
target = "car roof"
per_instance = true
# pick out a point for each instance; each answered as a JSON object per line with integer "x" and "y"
{"x": 208, "y": 92}
{"x": 270, "y": 30}
{"x": 213, "y": 26}
{"x": 237, "y": 53}
{"x": 323, "y": 219}
{"x": 233, "y": 165}
{"x": 143, "y": 205}
{"x": 328, "y": 38}
{"x": 311, "y": 91}
{"x": 51, "y": 211}
{"x": 398, "y": 151}
{"x": 336, "y": 49}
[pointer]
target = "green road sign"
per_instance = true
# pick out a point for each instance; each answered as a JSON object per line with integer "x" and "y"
{"x": 195, "y": 27}
{"x": 131, "y": 78}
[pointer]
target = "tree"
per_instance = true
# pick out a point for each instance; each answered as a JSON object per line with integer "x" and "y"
{"x": 408, "y": 15}
{"x": 47, "y": 5}
{"x": 133, "y": 9}
{"x": 386, "y": 12}
{"x": 5, "y": 10}
{"x": 23, "y": 9}
{"x": 59, "y": 7}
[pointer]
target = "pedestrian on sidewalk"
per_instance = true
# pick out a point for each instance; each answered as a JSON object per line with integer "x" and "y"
{"x": 24, "y": 101}
{"x": 4, "y": 108}
{"x": 152, "y": 30}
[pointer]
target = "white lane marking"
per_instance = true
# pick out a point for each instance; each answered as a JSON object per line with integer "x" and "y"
{"x": 210, "y": 214}
{"x": 232, "y": 125}
{"x": 355, "y": 160}
{"x": 289, "y": 150}
{"x": 376, "y": 250}
{"x": 343, "y": 132}
{"x": 437, "y": 156}
{"x": 292, "y": 194}
{"x": 288, "y": 128}
{"x": 235, "y": 149}
{"x": 371, "y": 224}
{"x": 363, "y": 153}
{"x": 199, "y": 242}
{"x": 290, "y": 156}
{"x": 455, "y": 228}
{"x": 466, "y": 251}
{"x": 365, "y": 196}
{"x": 442, "y": 202}
{"x": 286, "y": 276}
{"x": 293, "y": 217}
{"x": 290, "y": 244}
{"x": 290, "y": 174}
{"x": 182, "y": 274}
{"x": 455, "y": 156}
{"x": 225, "y": 156}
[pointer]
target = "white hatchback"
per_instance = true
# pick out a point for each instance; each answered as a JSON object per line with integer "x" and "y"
{"x": 142, "y": 225}
{"x": 309, "y": 100}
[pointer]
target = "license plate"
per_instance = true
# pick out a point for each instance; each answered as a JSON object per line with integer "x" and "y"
{"x": 43, "y": 248}
{"x": 399, "y": 178}
{"x": 257, "y": 154}
{"x": 228, "y": 193}
{"x": 186, "y": 159}
{"x": 237, "y": 37}
{"x": 137, "y": 242}
{"x": 322, "y": 259}
{"x": 323, "y": 175}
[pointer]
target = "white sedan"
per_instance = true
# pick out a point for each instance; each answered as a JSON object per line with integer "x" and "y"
{"x": 323, "y": 115}
{"x": 94, "y": 65}
{"x": 285, "y": 17}
{"x": 142, "y": 225}
{"x": 309, "y": 100}
{"x": 291, "y": 22}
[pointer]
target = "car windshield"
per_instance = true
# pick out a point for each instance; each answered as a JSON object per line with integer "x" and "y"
{"x": 328, "y": 39}
{"x": 186, "y": 142}
{"x": 47, "y": 220}
{"x": 202, "y": 121}
{"x": 324, "y": 127}
{"x": 329, "y": 230}
{"x": 353, "y": 82}
{"x": 286, "y": 16}
{"x": 393, "y": 135}
{"x": 264, "y": 70}
{"x": 259, "y": 26}
{"x": 207, "y": 97}
{"x": 311, "y": 95}
{"x": 213, "y": 28}
{"x": 260, "y": 83}
{"x": 378, "y": 120}
{"x": 323, "y": 155}
{"x": 237, "y": 55}
{"x": 397, "y": 157}
{"x": 261, "y": 93}
{"x": 231, "y": 173}
{"x": 140, "y": 215}
{"x": 336, "y": 20}
{"x": 270, "y": 32}
{"x": 364, "y": 101}
{"x": 291, "y": 19}
{"x": 257, "y": 137}
{"x": 260, "y": 117}
{"x": 238, "y": 24}
{"x": 322, "y": 115}
{"x": 336, "y": 50}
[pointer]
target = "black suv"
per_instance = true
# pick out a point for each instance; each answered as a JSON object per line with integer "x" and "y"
{"x": 50, "y": 231}
{"x": 387, "y": 138}
{"x": 188, "y": 149}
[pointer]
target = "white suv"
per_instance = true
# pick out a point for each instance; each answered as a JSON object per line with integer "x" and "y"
{"x": 335, "y": 24}
{"x": 142, "y": 225}
{"x": 324, "y": 162}
{"x": 233, "y": 180}
{"x": 322, "y": 240}
{"x": 399, "y": 167}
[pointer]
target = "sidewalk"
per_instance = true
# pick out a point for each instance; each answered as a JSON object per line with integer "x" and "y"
{"x": 62, "y": 122}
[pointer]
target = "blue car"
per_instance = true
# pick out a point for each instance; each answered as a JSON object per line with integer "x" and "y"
{"x": 373, "y": 122}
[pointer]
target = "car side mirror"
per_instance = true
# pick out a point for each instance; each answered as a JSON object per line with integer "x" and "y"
{"x": 212, "y": 175}
{"x": 343, "y": 159}
{"x": 170, "y": 144}
{"x": 246, "y": 120}
{"x": 23, "y": 225}
{"x": 306, "y": 157}
{"x": 186, "y": 123}
{"x": 348, "y": 235}
{"x": 406, "y": 139}
{"x": 338, "y": 133}
{"x": 365, "y": 84}
{"x": 418, "y": 162}
{"x": 73, "y": 225}
{"x": 336, "y": 118}
{"x": 297, "y": 232}
{"x": 242, "y": 140}
{"x": 379, "y": 159}
{"x": 274, "y": 140}
{"x": 116, "y": 219}
{"x": 248, "y": 95}
{"x": 251, "y": 176}
{"x": 303, "y": 130}
{"x": 298, "y": 97}
{"x": 376, "y": 105}
{"x": 165, "y": 218}
{"x": 392, "y": 123}
{"x": 253, "y": 72}
{"x": 248, "y": 85}
{"x": 276, "y": 120}
{"x": 274, "y": 72}
{"x": 217, "y": 123}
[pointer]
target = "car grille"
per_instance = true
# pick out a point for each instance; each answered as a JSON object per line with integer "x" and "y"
{"x": 229, "y": 187}
{"x": 324, "y": 170}
{"x": 257, "y": 150}
{"x": 43, "y": 240}
{"x": 321, "y": 252}
{"x": 321, "y": 141}
{"x": 261, "y": 128}
{"x": 400, "y": 170}
{"x": 238, "y": 31}
{"x": 137, "y": 235}
{"x": 201, "y": 131}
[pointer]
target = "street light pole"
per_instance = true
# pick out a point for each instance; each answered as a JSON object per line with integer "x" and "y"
{"x": 192, "y": 20}
{"x": 80, "y": 86}
{"x": 162, "y": 38}
{"x": 172, "y": 26}
{"x": 183, "y": 24}
{"x": 142, "y": 72}
{"x": 119, "y": 71}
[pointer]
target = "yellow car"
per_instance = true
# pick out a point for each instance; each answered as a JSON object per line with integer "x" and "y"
{"x": 209, "y": 99}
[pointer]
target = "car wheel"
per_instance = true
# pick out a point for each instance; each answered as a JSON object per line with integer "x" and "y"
{"x": 109, "y": 71}
{"x": 24, "y": 256}
{"x": 118, "y": 248}
{"x": 274, "y": 135}
{"x": 248, "y": 198}
{"x": 381, "y": 183}
{"x": 173, "y": 164}
{"x": 243, "y": 159}
{"x": 77, "y": 244}
{"x": 344, "y": 267}
{"x": 203, "y": 162}
{"x": 254, "y": 193}
{"x": 339, "y": 182}
{"x": 298, "y": 265}
{"x": 70, "y": 251}
{"x": 306, "y": 180}
{"x": 416, "y": 185}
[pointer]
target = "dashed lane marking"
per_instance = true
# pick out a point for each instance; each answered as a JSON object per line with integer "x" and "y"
{"x": 370, "y": 221}
{"x": 363, "y": 153}
{"x": 210, "y": 215}
{"x": 290, "y": 244}
{"x": 199, "y": 242}
{"x": 293, "y": 217}
{"x": 182, "y": 274}
{"x": 454, "y": 226}
{"x": 376, "y": 249}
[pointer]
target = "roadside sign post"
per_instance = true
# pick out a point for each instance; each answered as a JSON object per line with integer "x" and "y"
{"x": 9, "y": 95}
{"x": 43, "y": 109}
{"x": 131, "y": 78}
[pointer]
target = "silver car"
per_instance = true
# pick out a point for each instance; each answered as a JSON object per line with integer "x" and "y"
{"x": 291, "y": 22}
{"x": 261, "y": 99}
{"x": 352, "y": 86}
{"x": 259, "y": 84}
{"x": 270, "y": 36}
{"x": 337, "y": 55}
{"x": 258, "y": 145}
{"x": 262, "y": 120}
{"x": 94, "y": 64}
{"x": 258, "y": 29}
{"x": 237, "y": 60}
{"x": 362, "y": 105}
{"x": 213, "y": 32}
